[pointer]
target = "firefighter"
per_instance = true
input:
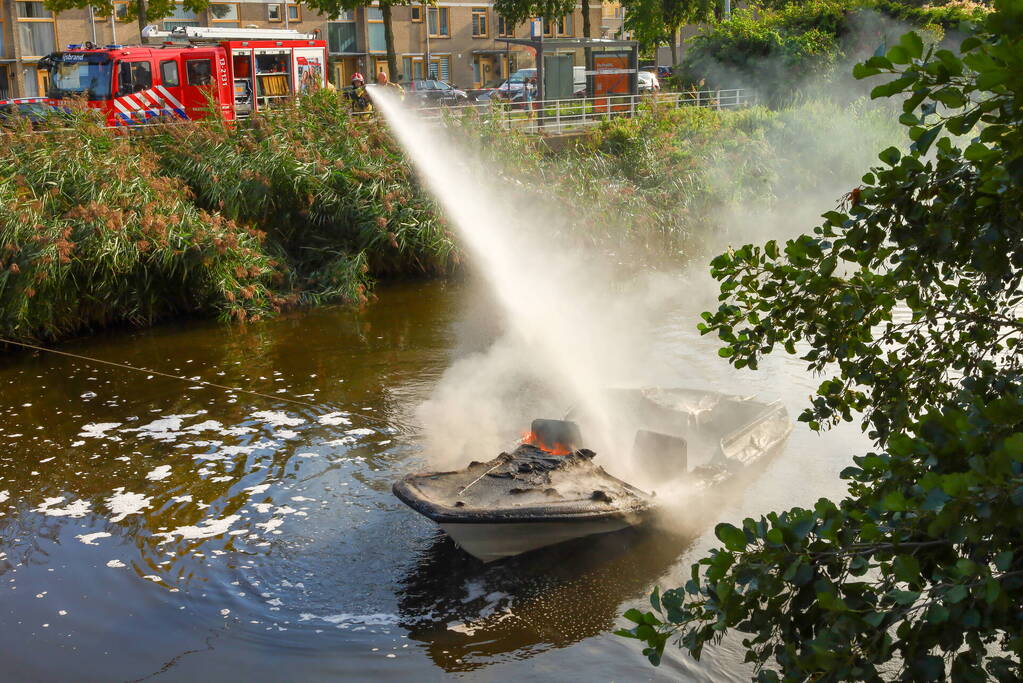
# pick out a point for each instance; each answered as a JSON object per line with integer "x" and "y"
{"x": 356, "y": 94}
{"x": 384, "y": 82}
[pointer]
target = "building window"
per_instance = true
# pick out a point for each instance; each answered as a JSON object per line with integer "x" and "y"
{"x": 504, "y": 27}
{"x": 565, "y": 27}
{"x": 274, "y": 12}
{"x": 479, "y": 22}
{"x": 180, "y": 17}
{"x": 548, "y": 29}
{"x": 438, "y": 22}
{"x": 416, "y": 14}
{"x": 413, "y": 68}
{"x": 375, "y": 29}
{"x": 224, "y": 14}
{"x": 341, "y": 34}
{"x": 35, "y": 29}
{"x": 294, "y": 13}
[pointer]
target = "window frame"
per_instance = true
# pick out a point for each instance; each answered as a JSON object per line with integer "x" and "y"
{"x": 298, "y": 11}
{"x": 504, "y": 28}
{"x": 214, "y": 19}
{"x": 177, "y": 73}
{"x": 280, "y": 12}
{"x": 565, "y": 20}
{"x": 132, "y": 64}
{"x": 355, "y": 35}
{"x": 480, "y": 13}
{"x": 175, "y": 22}
{"x": 413, "y": 11}
{"x": 16, "y": 34}
{"x": 188, "y": 76}
{"x": 447, "y": 21}
{"x": 369, "y": 34}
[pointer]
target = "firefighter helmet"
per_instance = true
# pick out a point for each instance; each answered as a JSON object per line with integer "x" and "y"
{"x": 357, "y": 77}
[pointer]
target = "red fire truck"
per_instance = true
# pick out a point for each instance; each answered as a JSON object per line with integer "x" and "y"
{"x": 240, "y": 71}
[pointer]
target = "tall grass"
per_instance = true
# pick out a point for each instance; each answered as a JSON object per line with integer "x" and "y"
{"x": 305, "y": 205}
{"x": 92, "y": 233}
{"x": 300, "y": 206}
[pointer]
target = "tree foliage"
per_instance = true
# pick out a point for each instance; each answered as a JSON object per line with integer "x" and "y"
{"x": 908, "y": 299}
{"x": 516, "y": 12}
{"x": 142, "y": 10}
{"x": 654, "y": 22}
{"x": 780, "y": 49}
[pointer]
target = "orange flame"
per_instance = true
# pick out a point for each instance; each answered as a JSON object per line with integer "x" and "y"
{"x": 557, "y": 449}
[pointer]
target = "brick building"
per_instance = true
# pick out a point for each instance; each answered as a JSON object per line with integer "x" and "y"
{"x": 458, "y": 39}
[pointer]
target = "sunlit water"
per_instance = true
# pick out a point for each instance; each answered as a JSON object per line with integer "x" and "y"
{"x": 151, "y": 528}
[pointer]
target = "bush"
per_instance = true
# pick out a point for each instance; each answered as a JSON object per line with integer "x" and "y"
{"x": 93, "y": 234}
{"x": 301, "y": 205}
{"x": 781, "y": 49}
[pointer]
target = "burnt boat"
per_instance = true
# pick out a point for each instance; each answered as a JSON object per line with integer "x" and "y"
{"x": 548, "y": 490}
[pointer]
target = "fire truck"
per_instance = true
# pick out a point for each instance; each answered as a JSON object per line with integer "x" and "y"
{"x": 179, "y": 74}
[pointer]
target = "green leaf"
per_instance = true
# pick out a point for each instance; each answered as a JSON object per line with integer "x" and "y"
{"x": 978, "y": 152}
{"x": 898, "y": 55}
{"x": 906, "y": 568}
{"x": 890, "y": 156}
{"x": 956, "y": 594}
{"x": 912, "y": 44}
{"x": 733, "y": 538}
{"x": 1003, "y": 560}
{"x": 634, "y": 615}
{"x": 655, "y": 599}
{"x": 902, "y": 597}
{"x": 923, "y": 143}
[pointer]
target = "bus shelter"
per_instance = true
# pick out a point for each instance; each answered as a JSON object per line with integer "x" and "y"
{"x": 611, "y": 66}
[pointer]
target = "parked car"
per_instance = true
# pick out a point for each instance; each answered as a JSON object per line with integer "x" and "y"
{"x": 429, "y": 92}
{"x": 513, "y": 86}
{"x": 34, "y": 109}
{"x": 484, "y": 93}
{"x": 648, "y": 82}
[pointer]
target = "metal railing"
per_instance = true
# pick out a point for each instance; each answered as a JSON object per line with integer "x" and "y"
{"x": 554, "y": 117}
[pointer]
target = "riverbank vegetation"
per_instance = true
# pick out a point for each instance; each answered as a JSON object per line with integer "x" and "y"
{"x": 308, "y": 206}
{"x": 305, "y": 206}
{"x": 782, "y": 47}
{"x": 906, "y": 300}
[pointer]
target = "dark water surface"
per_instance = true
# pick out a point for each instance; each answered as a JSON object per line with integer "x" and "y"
{"x": 154, "y": 529}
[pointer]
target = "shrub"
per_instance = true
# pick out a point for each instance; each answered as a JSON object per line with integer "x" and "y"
{"x": 91, "y": 234}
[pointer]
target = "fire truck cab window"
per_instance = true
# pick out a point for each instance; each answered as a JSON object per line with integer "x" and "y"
{"x": 199, "y": 71}
{"x": 134, "y": 77}
{"x": 169, "y": 73}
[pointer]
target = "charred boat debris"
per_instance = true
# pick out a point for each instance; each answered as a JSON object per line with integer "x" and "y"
{"x": 548, "y": 490}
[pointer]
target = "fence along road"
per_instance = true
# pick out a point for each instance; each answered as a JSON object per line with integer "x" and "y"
{"x": 553, "y": 117}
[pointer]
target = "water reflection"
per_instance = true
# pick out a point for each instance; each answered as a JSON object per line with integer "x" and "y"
{"x": 470, "y": 614}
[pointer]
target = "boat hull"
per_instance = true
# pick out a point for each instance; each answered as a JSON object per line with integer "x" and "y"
{"x": 496, "y": 541}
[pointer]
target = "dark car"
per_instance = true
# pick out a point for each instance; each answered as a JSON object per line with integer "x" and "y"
{"x": 431, "y": 93}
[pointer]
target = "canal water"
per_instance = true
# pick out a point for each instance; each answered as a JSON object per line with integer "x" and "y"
{"x": 153, "y": 529}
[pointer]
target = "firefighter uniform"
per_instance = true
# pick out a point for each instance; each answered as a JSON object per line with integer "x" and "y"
{"x": 357, "y": 96}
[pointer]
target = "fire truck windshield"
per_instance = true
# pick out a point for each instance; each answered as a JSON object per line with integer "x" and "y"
{"x": 74, "y": 73}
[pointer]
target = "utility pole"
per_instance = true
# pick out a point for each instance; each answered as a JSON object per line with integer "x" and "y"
{"x": 728, "y": 9}
{"x": 426, "y": 71}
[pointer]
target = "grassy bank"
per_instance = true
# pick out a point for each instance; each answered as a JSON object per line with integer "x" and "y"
{"x": 305, "y": 206}
{"x": 308, "y": 206}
